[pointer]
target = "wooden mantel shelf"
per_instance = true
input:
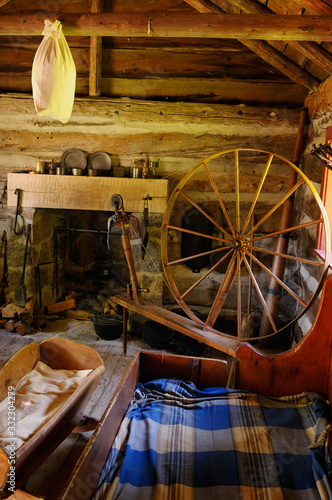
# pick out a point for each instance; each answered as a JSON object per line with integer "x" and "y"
{"x": 86, "y": 193}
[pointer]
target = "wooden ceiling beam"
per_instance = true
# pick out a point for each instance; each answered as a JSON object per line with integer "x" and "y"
{"x": 269, "y": 54}
{"x": 239, "y": 26}
{"x": 309, "y": 49}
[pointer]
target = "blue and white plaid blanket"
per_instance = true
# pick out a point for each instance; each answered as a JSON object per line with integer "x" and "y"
{"x": 179, "y": 442}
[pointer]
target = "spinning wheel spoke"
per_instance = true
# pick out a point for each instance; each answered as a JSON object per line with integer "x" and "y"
{"x": 222, "y": 292}
{"x": 275, "y": 207}
{"x": 184, "y": 259}
{"x": 281, "y": 283}
{"x": 239, "y": 309}
{"x": 259, "y": 189}
{"x": 286, "y": 256}
{"x": 196, "y": 233}
{"x": 221, "y": 229}
{"x": 221, "y": 203}
{"x": 205, "y": 276}
{"x": 258, "y": 290}
{"x": 287, "y": 230}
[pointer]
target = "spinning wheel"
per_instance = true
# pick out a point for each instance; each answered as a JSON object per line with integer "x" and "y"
{"x": 259, "y": 267}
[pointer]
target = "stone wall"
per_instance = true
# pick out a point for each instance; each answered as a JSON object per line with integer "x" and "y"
{"x": 319, "y": 107}
{"x": 40, "y": 273}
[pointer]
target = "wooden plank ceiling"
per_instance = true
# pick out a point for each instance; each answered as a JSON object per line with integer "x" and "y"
{"x": 223, "y": 51}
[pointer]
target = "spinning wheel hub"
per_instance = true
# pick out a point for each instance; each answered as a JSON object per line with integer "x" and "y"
{"x": 237, "y": 243}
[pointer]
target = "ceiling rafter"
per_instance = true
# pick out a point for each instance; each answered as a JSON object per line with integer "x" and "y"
{"x": 315, "y": 7}
{"x": 282, "y": 63}
{"x": 204, "y": 6}
{"x": 4, "y": 2}
{"x": 310, "y": 49}
{"x": 267, "y": 52}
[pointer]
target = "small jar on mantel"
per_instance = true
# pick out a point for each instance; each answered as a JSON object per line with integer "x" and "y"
{"x": 145, "y": 170}
{"x": 135, "y": 172}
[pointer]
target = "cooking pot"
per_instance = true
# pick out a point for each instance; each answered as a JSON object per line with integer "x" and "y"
{"x": 107, "y": 326}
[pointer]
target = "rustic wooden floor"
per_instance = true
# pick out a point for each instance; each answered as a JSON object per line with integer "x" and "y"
{"x": 48, "y": 480}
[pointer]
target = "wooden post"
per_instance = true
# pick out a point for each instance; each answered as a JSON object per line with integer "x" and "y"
{"x": 135, "y": 288}
{"x": 278, "y": 266}
{"x": 95, "y": 70}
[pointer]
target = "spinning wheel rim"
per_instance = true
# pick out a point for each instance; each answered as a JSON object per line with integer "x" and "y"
{"x": 238, "y": 237}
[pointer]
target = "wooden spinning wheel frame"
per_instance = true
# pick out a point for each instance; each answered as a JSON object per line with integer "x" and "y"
{"x": 239, "y": 241}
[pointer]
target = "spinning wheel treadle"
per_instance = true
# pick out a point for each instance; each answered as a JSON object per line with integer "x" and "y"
{"x": 263, "y": 267}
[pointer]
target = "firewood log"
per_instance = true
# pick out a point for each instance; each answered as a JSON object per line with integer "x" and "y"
{"x": 25, "y": 318}
{"x": 11, "y": 310}
{"x": 39, "y": 319}
{"x": 61, "y": 306}
{"x": 10, "y": 325}
{"x": 3, "y": 321}
{"x": 21, "y": 328}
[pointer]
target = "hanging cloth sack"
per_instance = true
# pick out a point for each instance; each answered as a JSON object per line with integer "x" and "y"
{"x": 53, "y": 75}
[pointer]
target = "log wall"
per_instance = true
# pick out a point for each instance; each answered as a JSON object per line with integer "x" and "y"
{"x": 176, "y": 134}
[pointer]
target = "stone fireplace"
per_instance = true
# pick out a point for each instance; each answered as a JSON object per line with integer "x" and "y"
{"x": 76, "y": 251}
{"x": 74, "y": 244}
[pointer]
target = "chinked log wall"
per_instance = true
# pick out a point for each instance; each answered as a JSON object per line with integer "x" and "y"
{"x": 179, "y": 134}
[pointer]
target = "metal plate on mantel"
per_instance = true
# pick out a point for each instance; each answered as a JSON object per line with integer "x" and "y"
{"x": 74, "y": 158}
{"x": 100, "y": 160}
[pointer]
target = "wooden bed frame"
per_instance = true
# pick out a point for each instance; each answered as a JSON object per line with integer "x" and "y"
{"x": 305, "y": 367}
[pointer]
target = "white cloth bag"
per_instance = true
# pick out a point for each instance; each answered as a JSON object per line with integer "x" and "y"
{"x": 53, "y": 75}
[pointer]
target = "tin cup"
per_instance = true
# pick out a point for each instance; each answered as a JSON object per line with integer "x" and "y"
{"x": 40, "y": 167}
{"x": 60, "y": 170}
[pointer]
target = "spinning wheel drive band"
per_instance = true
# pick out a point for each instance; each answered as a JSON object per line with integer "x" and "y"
{"x": 265, "y": 284}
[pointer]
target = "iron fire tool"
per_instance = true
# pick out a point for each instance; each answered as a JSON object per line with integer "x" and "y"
{"x": 145, "y": 239}
{"x": 20, "y": 291}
